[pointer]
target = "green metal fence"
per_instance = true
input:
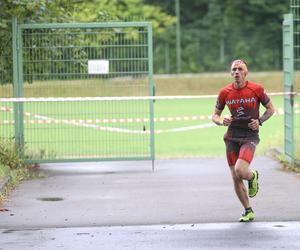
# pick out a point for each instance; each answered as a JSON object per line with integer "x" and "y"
{"x": 288, "y": 70}
{"x": 295, "y": 10}
{"x": 82, "y": 61}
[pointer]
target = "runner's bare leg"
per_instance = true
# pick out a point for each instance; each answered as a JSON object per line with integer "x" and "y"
{"x": 241, "y": 172}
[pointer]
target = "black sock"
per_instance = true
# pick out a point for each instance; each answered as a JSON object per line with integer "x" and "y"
{"x": 248, "y": 209}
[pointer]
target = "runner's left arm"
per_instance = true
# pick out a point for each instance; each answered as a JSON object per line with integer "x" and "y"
{"x": 254, "y": 124}
{"x": 268, "y": 112}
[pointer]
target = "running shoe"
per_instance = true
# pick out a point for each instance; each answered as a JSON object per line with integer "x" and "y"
{"x": 253, "y": 185}
{"x": 248, "y": 216}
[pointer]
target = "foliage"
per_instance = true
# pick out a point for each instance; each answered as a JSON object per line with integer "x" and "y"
{"x": 69, "y": 11}
{"x": 213, "y": 32}
{"x": 125, "y": 10}
{"x": 13, "y": 167}
{"x": 26, "y": 11}
{"x": 4, "y": 171}
{"x": 15, "y": 177}
{"x": 9, "y": 154}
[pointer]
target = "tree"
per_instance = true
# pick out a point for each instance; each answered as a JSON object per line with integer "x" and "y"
{"x": 69, "y": 11}
{"x": 214, "y": 32}
{"x": 25, "y": 11}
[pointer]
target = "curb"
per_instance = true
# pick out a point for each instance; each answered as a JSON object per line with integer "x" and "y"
{"x": 274, "y": 152}
{"x": 3, "y": 183}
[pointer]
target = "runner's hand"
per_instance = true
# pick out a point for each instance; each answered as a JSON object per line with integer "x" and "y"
{"x": 254, "y": 124}
{"x": 227, "y": 121}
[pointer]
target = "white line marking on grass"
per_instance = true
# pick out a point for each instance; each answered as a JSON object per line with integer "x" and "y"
{"x": 122, "y": 98}
{"x": 46, "y": 119}
{"x": 42, "y": 119}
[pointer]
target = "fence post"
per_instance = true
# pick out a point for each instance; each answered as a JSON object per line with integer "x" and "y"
{"x": 288, "y": 71}
{"x": 17, "y": 87}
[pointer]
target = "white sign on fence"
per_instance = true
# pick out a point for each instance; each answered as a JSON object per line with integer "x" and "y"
{"x": 98, "y": 66}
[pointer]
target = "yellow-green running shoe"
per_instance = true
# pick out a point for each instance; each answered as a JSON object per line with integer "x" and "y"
{"x": 248, "y": 216}
{"x": 253, "y": 185}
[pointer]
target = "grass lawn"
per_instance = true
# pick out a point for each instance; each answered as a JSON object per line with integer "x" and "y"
{"x": 65, "y": 136}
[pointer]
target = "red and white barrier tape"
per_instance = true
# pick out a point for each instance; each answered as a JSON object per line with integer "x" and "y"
{"x": 91, "y": 124}
{"x": 122, "y": 98}
{"x": 38, "y": 119}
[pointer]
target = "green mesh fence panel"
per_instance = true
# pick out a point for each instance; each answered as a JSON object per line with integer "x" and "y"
{"x": 288, "y": 69}
{"x": 295, "y": 9}
{"x": 85, "y": 60}
{"x": 86, "y": 129}
{"x": 6, "y": 88}
{"x": 97, "y": 61}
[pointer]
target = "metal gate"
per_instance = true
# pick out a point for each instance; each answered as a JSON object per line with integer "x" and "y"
{"x": 80, "y": 83}
{"x": 288, "y": 70}
{"x": 295, "y": 10}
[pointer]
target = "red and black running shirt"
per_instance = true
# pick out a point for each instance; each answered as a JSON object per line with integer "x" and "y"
{"x": 243, "y": 103}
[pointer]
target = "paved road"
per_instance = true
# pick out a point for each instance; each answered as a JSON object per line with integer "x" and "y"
{"x": 183, "y": 204}
{"x": 223, "y": 236}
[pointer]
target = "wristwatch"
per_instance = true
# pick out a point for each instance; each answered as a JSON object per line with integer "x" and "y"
{"x": 259, "y": 122}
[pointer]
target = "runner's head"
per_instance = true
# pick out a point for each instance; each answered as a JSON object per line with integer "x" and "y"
{"x": 239, "y": 64}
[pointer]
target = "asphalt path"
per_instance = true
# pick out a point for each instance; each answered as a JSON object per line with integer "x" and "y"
{"x": 183, "y": 204}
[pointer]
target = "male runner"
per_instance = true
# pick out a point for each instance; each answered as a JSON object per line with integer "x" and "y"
{"x": 243, "y": 99}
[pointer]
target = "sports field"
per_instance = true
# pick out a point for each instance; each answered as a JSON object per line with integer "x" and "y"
{"x": 183, "y": 128}
{"x": 113, "y": 129}
{"x": 208, "y": 141}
